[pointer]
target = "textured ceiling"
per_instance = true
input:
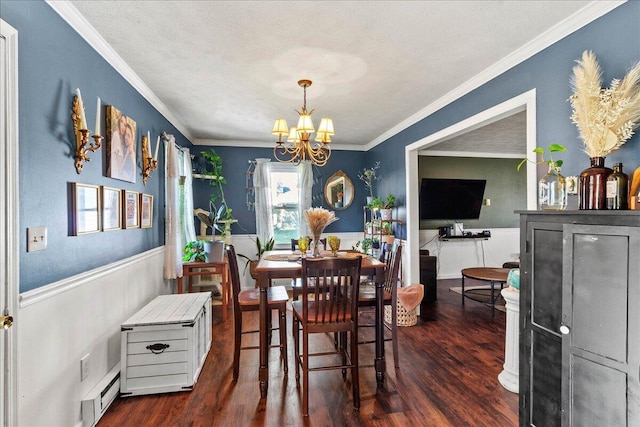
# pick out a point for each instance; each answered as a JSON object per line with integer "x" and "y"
{"x": 227, "y": 69}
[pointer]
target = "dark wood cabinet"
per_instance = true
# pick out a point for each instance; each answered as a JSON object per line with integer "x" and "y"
{"x": 580, "y": 318}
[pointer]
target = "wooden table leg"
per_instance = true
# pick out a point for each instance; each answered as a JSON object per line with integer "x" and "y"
{"x": 263, "y": 373}
{"x": 379, "y": 362}
{"x": 225, "y": 291}
{"x": 179, "y": 285}
{"x": 463, "y": 289}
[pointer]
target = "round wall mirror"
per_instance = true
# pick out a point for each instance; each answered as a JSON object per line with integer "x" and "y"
{"x": 338, "y": 191}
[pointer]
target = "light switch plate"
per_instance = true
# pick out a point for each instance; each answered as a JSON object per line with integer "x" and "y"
{"x": 36, "y": 238}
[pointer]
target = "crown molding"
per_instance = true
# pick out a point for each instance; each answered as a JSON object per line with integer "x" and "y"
{"x": 70, "y": 14}
{"x": 584, "y": 16}
{"x": 587, "y": 14}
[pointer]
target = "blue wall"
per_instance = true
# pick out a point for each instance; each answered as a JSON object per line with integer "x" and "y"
{"x": 614, "y": 38}
{"x": 235, "y": 165}
{"x": 53, "y": 61}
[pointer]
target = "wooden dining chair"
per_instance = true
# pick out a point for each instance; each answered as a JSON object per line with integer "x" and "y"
{"x": 249, "y": 300}
{"x": 367, "y": 300}
{"x": 331, "y": 307}
{"x": 296, "y": 283}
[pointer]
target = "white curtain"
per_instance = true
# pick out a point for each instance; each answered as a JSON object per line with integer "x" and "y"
{"x": 187, "y": 217}
{"x": 179, "y": 224}
{"x": 305, "y": 183}
{"x": 262, "y": 188}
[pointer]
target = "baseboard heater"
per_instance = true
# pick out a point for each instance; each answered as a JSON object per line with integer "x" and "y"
{"x": 96, "y": 402}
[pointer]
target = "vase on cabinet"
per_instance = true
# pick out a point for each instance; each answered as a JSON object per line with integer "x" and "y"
{"x": 592, "y": 185}
{"x": 552, "y": 190}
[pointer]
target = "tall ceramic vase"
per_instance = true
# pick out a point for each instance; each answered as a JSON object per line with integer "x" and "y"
{"x": 592, "y": 185}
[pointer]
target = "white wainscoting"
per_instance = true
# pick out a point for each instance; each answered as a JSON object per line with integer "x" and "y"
{"x": 61, "y": 322}
{"x": 58, "y": 324}
{"x": 454, "y": 255}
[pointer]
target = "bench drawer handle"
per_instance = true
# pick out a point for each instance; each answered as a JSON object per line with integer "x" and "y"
{"x": 157, "y": 348}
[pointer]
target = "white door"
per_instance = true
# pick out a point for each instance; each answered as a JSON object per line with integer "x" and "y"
{"x": 8, "y": 220}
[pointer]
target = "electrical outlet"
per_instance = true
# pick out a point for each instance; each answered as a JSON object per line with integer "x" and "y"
{"x": 84, "y": 367}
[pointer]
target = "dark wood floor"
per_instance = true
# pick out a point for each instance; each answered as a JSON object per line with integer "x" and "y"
{"x": 448, "y": 372}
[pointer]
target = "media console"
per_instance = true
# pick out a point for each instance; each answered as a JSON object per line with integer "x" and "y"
{"x": 483, "y": 235}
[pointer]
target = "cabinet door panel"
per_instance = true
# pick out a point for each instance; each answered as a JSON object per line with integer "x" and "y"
{"x": 546, "y": 374}
{"x": 546, "y": 305}
{"x": 600, "y": 351}
{"x": 598, "y": 394}
{"x": 600, "y": 289}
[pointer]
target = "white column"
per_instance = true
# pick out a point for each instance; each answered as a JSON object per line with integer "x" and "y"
{"x": 509, "y": 376}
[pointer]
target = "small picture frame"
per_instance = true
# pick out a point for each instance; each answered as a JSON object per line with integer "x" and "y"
{"x": 130, "y": 209}
{"x": 572, "y": 184}
{"x": 86, "y": 208}
{"x": 146, "y": 210}
{"x": 111, "y": 209}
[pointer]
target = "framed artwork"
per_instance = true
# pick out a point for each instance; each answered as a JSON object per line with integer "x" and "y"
{"x": 130, "y": 209}
{"x": 86, "y": 208}
{"x": 146, "y": 210}
{"x": 111, "y": 209}
{"x": 121, "y": 145}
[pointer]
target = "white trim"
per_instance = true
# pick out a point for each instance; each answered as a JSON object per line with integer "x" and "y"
{"x": 64, "y": 285}
{"x": 584, "y": 16}
{"x": 526, "y": 102}
{"x": 435, "y": 153}
{"x": 11, "y": 212}
{"x": 70, "y": 14}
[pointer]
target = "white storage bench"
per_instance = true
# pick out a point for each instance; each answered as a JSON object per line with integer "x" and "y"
{"x": 165, "y": 344}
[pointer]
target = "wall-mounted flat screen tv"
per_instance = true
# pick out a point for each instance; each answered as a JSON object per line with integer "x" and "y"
{"x": 452, "y": 199}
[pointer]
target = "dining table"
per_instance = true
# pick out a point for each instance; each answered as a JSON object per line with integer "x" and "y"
{"x": 281, "y": 264}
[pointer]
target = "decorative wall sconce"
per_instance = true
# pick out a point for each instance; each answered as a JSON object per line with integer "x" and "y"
{"x": 149, "y": 164}
{"x": 82, "y": 133}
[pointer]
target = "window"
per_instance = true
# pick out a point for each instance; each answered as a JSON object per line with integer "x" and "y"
{"x": 284, "y": 183}
{"x": 283, "y": 192}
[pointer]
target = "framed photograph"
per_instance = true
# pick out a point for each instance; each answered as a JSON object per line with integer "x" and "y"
{"x": 121, "y": 145}
{"x": 146, "y": 210}
{"x": 86, "y": 208}
{"x": 111, "y": 209}
{"x": 131, "y": 209}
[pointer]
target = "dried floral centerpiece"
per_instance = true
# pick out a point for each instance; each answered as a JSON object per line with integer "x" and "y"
{"x": 318, "y": 219}
{"x": 606, "y": 119}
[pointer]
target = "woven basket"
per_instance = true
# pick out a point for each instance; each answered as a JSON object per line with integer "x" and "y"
{"x": 405, "y": 317}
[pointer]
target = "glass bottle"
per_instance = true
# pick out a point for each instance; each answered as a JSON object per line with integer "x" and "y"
{"x": 592, "y": 185}
{"x": 552, "y": 190}
{"x": 617, "y": 189}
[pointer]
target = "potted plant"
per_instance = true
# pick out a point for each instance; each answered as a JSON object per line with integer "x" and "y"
{"x": 252, "y": 262}
{"x": 552, "y": 188}
{"x": 223, "y": 214}
{"x": 385, "y": 210}
{"x": 387, "y": 233}
{"x": 368, "y": 175}
{"x": 194, "y": 251}
{"x": 369, "y": 243}
{"x": 375, "y": 204}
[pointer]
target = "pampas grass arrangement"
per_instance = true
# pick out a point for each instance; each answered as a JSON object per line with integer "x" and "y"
{"x": 606, "y": 118}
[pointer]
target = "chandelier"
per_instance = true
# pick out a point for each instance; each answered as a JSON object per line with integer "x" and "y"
{"x": 297, "y": 147}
